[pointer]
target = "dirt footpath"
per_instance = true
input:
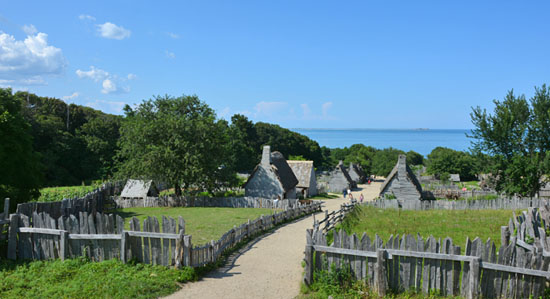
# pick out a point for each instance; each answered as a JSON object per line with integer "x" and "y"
{"x": 269, "y": 266}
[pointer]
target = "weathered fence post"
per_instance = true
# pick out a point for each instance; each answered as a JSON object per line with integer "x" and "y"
{"x": 180, "y": 249}
{"x": 308, "y": 276}
{"x": 380, "y": 277}
{"x": 474, "y": 278}
{"x": 63, "y": 242}
{"x": 12, "y": 236}
{"x": 6, "y": 209}
{"x": 187, "y": 247}
{"x": 504, "y": 235}
{"x": 123, "y": 245}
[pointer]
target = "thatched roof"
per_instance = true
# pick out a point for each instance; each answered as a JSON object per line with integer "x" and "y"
{"x": 283, "y": 170}
{"x": 302, "y": 170}
{"x": 341, "y": 168}
{"x": 137, "y": 188}
{"x": 454, "y": 177}
{"x": 409, "y": 173}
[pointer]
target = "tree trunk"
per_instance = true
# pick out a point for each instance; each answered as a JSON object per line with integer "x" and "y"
{"x": 177, "y": 189}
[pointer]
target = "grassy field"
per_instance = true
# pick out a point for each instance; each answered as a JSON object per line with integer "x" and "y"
{"x": 203, "y": 224}
{"x": 59, "y": 193}
{"x": 457, "y": 224}
{"x": 79, "y": 278}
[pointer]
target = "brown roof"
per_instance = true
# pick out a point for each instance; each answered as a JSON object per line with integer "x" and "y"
{"x": 284, "y": 172}
{"x": 302, "y": 170}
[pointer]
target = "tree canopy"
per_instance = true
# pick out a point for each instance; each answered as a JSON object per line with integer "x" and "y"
{"x": 517, "y": 136}
{"x": 175, "y": 140}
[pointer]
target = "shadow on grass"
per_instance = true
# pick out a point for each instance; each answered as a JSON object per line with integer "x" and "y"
{"x": 125, "y": 214}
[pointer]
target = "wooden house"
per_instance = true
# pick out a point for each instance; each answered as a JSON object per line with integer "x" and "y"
{"x": 339, "y": 180}
{"x": 401, "y": 182}
{"x": 356, "y": 173}
{"x": 272, "y": 178}
{"x": 139, "y": 189}
{"x": 305, "y": 173}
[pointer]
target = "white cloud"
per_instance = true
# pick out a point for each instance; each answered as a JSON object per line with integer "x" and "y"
{"x": 269, "y": 108}
{"x": 170, "y": 55}
{"x": 86, "y": 17}
{"x": 94, "y": 74}
{"x": 325, "y": 108}
{"x": 74, "y": 95}
{"x": 112, "y": 31}
{"x": 29, "y": 29}
{"x": 25, "y": 62}
{"x": 173, "y": 35}
{"x": 109, "y": 82}
{"x": 306, "y": 110}
{"x": 107, "y": 106}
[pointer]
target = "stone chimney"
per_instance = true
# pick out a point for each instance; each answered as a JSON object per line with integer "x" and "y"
{"x": 266, "y": 156}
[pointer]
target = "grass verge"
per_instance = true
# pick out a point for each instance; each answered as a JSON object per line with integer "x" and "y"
{"x": 456, "y": 224}
{"x": 204, "y": 224}
{"x": 324, "y": 196}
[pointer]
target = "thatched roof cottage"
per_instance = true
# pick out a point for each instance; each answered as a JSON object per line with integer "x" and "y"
{"x": 305, "y": 173}
{"x": 272, "y": 178}
{"x": 402, "y": 182}
{"x": 338, "y": 179}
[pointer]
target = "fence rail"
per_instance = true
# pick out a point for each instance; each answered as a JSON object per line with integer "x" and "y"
{"x": 331, "y": 219}
{"x": 427, "y": 265}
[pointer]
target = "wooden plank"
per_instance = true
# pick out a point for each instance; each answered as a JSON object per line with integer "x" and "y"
{"x": 135, "y": 241}
{"x": 101, "y": 245}
{"x": 438, "y": 270}
{"x": 309, "y": 252}
{"x": 72, "y": 226}
{"x": 404, "y": 266}
{"x": 427, "y": 266}
{"x": 44, "y": 231}
{"x": 146, "y": 244}
{"x": 389, "y": 262}
{"x": 419, "y": 262}
{"x": 366, "y": 272}
{"x": 156, "y": 243}
{"x": 380, "y": 277}
{"x": 156, "y": 235}
{"x": 12, "y": 236}
{"x": 84, "y": 229}
{"x": 396, "y": 264}
{"x": 411, "y": 246}
{"x": 474, "y": 278}
{"x": 466, "y": 269}
{"x": 94, "y": 237}
{"x": 25, "y": 240}
{"x": 499, "y": 274}
{"x": 165, "y": 243}
{"x": 457, "y": 267}
{"x": 94, "y": 250}
{"x": 38, "y": 242}
{"x": 433, "y": 249}
{"x": 448, "y": 270}
{"x": 172, "y": 242}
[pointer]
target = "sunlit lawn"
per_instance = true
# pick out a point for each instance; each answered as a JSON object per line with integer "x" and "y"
{"x": 203, "y": 224}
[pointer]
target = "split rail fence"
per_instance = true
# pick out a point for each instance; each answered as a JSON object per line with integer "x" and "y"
{"x": 333, "y": 218}
{"x": 102, "y": 237}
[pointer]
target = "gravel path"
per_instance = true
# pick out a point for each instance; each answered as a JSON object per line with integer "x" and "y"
{"x": 269, "y": 266}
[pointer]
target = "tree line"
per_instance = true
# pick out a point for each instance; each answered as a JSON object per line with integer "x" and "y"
{"x": 181, "y": 141}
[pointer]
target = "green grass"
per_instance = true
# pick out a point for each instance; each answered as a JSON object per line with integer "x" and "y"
{"x": 457, "y": 224}
{"x": 79, "y": 278}
{"x": 59, "y": 193}
{"x": 203, "y": 224}
{"x": 325, "y": 196}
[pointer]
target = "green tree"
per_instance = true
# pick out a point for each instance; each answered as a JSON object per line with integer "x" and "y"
{"x": 175, "y": 140}
{"x": 517, "y": 135}
{"x": 384, "y": 160}
{"x": 443, "y": 161}
{"x": 244, "y": 147}
{"x": 21, "y": 169}
{"x": 414, "y": 158}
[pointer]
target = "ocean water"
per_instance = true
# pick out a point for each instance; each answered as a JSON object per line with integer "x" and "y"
{"x": 422, "y": 141}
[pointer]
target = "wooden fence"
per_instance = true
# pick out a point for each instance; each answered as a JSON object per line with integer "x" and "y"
{"x": 189, "y": 201}
{"x": 531, "y": 230}
{"x": 101, "y": 237}
{"x": 333, "y": 218}
{"x": 481, "y": 204}
{"x": 92, "y": 202}
{"x": 410, "y": 262}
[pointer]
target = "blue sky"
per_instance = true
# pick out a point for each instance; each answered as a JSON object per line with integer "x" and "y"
{"x": 300, "y": 64}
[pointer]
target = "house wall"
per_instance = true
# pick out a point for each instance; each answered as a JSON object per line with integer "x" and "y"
{"x": 312, "y": 190}
{"x": 264, "y": 184}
